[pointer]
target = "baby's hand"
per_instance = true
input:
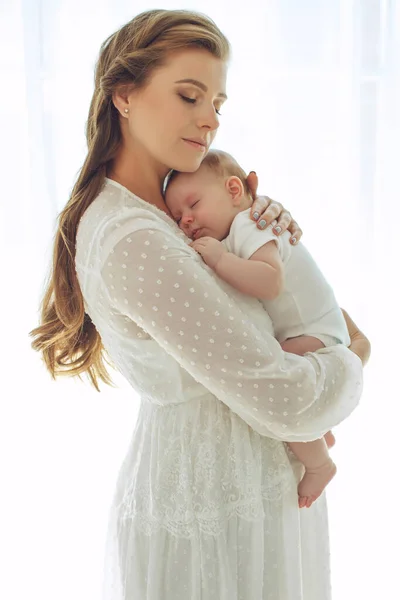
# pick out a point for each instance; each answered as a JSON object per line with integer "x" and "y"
{"x": 209, "y": 249}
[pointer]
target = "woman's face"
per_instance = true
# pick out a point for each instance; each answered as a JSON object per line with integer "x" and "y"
{"x": 171, "y": 110}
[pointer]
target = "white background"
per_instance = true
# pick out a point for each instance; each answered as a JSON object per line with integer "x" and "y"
{"x": 314, "y": 91}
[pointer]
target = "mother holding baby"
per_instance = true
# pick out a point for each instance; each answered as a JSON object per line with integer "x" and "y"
{"x": 206, "y": 504}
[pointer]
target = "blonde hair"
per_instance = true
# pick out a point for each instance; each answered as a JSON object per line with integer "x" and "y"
{"x": 222, "y": 165}
{"x": 66, "y": 337}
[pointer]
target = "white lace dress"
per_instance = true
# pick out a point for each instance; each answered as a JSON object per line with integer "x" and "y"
{"x": 206, "y": 504}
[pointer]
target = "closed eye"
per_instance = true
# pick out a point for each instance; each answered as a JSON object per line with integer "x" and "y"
{"x": 186, "y": 99}
{"x": 193, "y": 101}
{"x": 179, "y": 219}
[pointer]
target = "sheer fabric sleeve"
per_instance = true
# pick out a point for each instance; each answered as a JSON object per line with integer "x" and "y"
{"x": 153, "y": 277}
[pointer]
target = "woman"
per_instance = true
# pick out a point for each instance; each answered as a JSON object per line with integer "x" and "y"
{"x": 206, "y": 501}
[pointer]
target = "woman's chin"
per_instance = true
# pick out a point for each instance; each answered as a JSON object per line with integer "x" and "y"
{"x": 186, "y": 165}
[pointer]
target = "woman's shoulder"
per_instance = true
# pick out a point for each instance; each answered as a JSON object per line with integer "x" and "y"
{"x": 115, "y": 213}
{"x": 115, "y": 202}
{"x": 115, "y": 205}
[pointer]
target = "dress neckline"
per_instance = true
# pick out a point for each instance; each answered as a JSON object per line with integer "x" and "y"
{"x": 147, "y": 206}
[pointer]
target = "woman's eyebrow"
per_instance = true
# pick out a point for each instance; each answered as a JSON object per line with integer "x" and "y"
{"x": 201, "y": 86}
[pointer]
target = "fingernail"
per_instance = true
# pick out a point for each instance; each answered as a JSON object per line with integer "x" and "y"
{"x": 256, "y": 216}
{"x": 262, "y": 223}
{"x": 278, "y": 229}
{"x": 293, "y": 240}
{"x": 253, "y": 172}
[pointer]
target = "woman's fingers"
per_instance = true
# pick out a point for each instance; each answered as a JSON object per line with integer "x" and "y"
{"x": 264, "y": 210}
{"x": 252, "y": 182}
{"x": 295, "y": 232}
{"x": 283, "y": 221}
{"x": 258, "y": 207}
{"x": 269, "y": 211}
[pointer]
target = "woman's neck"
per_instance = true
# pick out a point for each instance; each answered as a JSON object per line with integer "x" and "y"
{"x": 140, "y": 177}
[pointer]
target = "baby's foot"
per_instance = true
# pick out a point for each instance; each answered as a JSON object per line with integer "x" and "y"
{"x": 330, "y": 439}
{"x": 314, "y": 482}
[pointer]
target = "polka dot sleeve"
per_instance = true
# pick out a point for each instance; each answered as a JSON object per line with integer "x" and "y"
{"x": 154, "y": 278}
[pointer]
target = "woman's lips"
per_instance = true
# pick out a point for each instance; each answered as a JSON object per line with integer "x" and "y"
{"x": 196, "y": 145}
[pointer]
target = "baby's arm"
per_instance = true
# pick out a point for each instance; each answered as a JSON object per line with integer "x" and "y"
{"x": 261, "y": 276}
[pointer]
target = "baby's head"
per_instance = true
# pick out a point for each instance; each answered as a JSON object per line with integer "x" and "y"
{"x": 206, "y": 202}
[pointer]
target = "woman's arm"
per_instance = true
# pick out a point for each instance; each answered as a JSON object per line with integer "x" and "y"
{"x": 154, "y": 278}
{"x": 359, "y": 343}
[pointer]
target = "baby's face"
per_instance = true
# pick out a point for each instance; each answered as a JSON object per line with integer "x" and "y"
{"x": 201, "y": 204}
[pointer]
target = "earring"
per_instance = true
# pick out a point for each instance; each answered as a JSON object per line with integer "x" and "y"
{"x": 126, "y": 110}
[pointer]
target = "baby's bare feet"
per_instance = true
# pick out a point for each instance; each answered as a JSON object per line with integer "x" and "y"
{"x": 314, "y": 482}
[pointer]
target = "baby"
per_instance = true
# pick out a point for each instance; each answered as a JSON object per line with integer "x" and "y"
{"x": 212, "y": 207}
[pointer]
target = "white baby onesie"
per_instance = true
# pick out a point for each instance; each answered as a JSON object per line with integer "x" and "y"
{"x": 307, "y": 304}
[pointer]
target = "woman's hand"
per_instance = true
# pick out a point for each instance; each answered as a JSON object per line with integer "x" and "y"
{"x": 359, "y": 344}
{"x": 264, "y": 210}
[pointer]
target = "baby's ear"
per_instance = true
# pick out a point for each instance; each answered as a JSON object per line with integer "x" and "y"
{"x": 235, "y": 188}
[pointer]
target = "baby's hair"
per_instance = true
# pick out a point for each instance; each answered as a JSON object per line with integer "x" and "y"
{"x": 221, "y": 164}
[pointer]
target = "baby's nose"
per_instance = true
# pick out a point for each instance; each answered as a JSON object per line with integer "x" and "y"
{"x": 187, "y": 219}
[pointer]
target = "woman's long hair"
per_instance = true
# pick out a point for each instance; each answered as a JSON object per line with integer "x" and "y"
{"x": 66, "y": 337}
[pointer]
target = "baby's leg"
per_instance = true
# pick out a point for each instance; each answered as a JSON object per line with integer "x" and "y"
{"x": 302, "y": 344}
{"x": 320, "y": 469}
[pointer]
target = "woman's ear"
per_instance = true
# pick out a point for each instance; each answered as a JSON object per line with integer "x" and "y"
{"x": 235, "y": 188}
{"x": 122, "y": 99}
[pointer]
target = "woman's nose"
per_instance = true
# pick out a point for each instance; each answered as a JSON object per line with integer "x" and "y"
{"x": 209, "y": 119}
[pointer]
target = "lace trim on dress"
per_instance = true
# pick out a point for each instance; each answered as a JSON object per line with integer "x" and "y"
{"x": 193, "y": 483}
